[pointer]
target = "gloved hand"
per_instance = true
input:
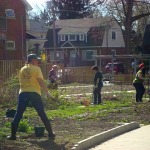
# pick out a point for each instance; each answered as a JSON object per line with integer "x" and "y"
{"x": 49, "y": 95}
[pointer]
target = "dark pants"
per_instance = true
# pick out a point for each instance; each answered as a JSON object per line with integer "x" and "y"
{"x": 36, "y": 101}
{"x": 140, "y": 90}
{"x": 97, "y": 95}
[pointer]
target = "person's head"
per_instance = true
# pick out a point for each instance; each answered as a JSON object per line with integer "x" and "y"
{"x": 33, "y": 59}
{"x": 55, "y": 67}
{"x": 95, "y": 68}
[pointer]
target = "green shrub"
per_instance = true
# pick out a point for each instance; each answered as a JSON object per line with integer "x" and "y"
{"x": 24, "y": 126}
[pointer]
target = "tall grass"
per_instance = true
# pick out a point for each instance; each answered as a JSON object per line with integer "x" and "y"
{"x": 9, "y": 91}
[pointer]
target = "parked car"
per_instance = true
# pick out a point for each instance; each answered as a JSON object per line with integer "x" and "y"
{"x": 118, "y": 67}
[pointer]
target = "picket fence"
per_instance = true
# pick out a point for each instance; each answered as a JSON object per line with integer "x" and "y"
{"x": 82, "y": 74}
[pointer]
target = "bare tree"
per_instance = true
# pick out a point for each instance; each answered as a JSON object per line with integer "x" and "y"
{"x": 127, "y": 12}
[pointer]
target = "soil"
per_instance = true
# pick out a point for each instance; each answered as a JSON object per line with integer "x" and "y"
{"x": 70, "y": 131}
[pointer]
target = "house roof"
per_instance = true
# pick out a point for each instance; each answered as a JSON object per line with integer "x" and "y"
{"x": 80, "y": 25}
{"x": 73, "y": 30}
{"x": 30, "y": 35}
{"x": 37, "y": 26}
{"x": 93, "y": 27}
{"x": 28, "y": 6}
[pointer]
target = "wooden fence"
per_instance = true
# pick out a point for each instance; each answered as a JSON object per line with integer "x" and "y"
{"x": 77, "y": 74}
{"x": 67, "y": 74}
{"x": 9, "y": 67}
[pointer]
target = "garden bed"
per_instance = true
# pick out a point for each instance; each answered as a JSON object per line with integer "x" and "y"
{"x": 70, "y": 130}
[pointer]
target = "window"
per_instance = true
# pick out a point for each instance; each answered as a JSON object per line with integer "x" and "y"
{"x": 9, "y": 13}
{"x": 62, "y": 38}
{"x": 88, "y": 55}
{"x": 2, "y": 23}
{"x": 72, "y": 37}
{"x": 10, "y": 45}
{"x": 81, "y": 37}
{"x": 2, "y": 36}
{"x": 113, "y": 35}
{"x": 113, "y": 53}
{"x": 51, "y": 55}
{"x": 59, "y": 55}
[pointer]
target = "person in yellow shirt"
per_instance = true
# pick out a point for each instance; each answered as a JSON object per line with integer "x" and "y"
{"x": 31, "y": 82}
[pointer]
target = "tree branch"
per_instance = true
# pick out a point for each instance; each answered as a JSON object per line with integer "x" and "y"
{"x": 139, "y": 16}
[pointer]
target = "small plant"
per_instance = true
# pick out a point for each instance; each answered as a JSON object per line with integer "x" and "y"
{"x": 8, "y": 124}
{"x": 24, "y": 126}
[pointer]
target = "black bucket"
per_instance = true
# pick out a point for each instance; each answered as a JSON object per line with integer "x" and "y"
{"x": 10, "y": 113}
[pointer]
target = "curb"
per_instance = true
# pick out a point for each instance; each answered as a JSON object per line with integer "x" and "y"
{"x": 104, "y": 136}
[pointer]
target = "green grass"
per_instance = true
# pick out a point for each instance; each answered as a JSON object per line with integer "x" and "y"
{"x": 67, "y": 110}
{"x": 72, "y": 109}
{"x": 62, "y": 108}
{"x": 69, "y": 116}
{"x": 120, "y": 109}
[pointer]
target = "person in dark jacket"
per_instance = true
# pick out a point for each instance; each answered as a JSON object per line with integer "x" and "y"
{"x": 98, "y": 84}
{"x": 53, "y": 77}
{"x": 138, "y": 83}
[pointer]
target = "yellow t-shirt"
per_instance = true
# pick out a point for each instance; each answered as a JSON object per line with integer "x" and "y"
{"x": 28, "y": 79}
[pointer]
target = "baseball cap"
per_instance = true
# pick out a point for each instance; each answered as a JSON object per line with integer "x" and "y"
{"x": 55, "y": 66}
{"x": 95, "y": 67}
{"x": 32, "y": 56}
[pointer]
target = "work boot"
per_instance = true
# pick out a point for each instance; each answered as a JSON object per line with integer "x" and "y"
{"x": 10, "y": 137}
{"x": 51, "y": 136}
{"x": 13, "y": 133}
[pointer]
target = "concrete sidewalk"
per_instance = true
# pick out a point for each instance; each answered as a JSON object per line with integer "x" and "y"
{"x": 105, "y": 136}
{"x": 138, "y": 139}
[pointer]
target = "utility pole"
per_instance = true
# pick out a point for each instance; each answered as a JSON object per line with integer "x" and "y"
{"x": 54, "y": 31}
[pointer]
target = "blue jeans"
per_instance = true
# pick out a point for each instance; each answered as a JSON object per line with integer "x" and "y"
{"x": 36, "y": 101}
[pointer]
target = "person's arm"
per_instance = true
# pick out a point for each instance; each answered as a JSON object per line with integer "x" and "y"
{"x": 99, "y": 77}
{"x": 43, "y": 86}
{"x": 97, "y": 81}
{"x": 140, "y": 76}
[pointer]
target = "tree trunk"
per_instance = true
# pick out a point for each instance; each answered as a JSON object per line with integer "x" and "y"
{"x": 128, "y": 26}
